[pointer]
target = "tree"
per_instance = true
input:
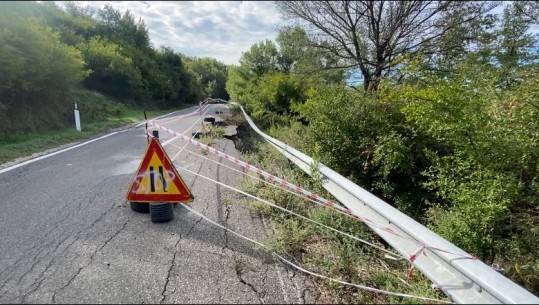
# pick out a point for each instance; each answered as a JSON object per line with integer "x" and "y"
{"x": 293, "y": 46}
{"x": 158, "y": 84}
{"x": 260, "y": 60}
{"x": 371, "y": 35}
{"x": 38, "y": 70}
{"x": 297, "y": 56}
{"x": 514, "y": 43}
{"x": 123, "y": 29}
{"x": 172, "y": 67}
{"x": 211, "y": 74}
{"x": 272, "y": 79}
{"x": 530, "y": 9}
{"x": 74, "y": 9}
{"x": 112, "y": 72}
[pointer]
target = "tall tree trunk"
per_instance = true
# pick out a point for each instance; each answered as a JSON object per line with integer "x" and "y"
{"x": 371, "y": 82}
{"x": 375, "y": 83}
{"x": 366, "y": 82}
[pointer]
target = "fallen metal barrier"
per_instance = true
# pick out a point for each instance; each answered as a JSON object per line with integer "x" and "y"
{"x": 463, "y": 279}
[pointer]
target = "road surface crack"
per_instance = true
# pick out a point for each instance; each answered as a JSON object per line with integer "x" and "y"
{"x": 225, "y": 232}
{"x": 176, "y": 251}
{"x": 193, "y": 226}
{"x": 91, "y": 258}
{"x": 239, "y": 267}
{"x": 303, "y": 293}
{"x": 112, "y": 237}
{"x": 41, "y": 277}
{"x": 39, "y": 249}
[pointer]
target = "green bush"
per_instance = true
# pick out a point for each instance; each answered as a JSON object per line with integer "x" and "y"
{"x": 367, "y": 139}
{"x": 486, "y": 182}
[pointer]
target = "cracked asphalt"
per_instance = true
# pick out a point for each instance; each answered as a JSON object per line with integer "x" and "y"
{"x": 69, "y": 236}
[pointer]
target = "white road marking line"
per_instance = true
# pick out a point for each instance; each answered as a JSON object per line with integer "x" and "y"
{"x": 7, "y": 169}
{"x": 56, "y": 152}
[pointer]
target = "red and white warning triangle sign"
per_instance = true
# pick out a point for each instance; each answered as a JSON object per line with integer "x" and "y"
{"x": 157, "y": 180}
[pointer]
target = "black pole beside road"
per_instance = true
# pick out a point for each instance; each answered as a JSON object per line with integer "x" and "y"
{"x": 161, "y": 211}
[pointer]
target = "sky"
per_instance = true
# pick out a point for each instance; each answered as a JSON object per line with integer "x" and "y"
{"x": 218, "y": 29}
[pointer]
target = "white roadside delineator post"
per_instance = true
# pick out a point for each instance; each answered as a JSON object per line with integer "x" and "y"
{"x": 77, "y": 117}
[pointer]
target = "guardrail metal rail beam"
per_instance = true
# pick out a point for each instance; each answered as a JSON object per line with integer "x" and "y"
{"x": 464, "y": 280}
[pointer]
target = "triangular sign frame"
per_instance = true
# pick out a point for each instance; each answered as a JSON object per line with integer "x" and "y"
{"x": 183, "y": 194}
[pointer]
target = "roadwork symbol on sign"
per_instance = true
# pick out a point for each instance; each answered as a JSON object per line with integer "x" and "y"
{"x": 157, "y": 180}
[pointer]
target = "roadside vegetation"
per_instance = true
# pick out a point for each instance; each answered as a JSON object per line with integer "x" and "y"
{"x": 445, "y": 128}
{"x": 99, "y": 115}
{"x": 319, "y": 249}
{"x": 55, "y": 55}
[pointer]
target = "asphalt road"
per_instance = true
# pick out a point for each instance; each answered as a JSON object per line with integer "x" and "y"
{"x": 69, "y": 236}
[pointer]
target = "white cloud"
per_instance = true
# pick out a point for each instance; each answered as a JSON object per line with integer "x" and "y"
{"x": 219, "y": 29}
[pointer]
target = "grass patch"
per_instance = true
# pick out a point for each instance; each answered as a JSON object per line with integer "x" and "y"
{"x": 99, "y": 114}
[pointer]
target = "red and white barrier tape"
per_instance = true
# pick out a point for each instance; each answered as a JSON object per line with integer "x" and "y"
{"x": 297, "y": 189}
{"x": 261, "y": 172}
{"x": 197, "y": 111}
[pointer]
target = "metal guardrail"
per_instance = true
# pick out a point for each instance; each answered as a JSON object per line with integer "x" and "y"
{"x": 463, "y": 279}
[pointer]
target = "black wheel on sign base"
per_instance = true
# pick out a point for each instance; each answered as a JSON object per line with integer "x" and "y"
{"x": 141, "y": 207}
